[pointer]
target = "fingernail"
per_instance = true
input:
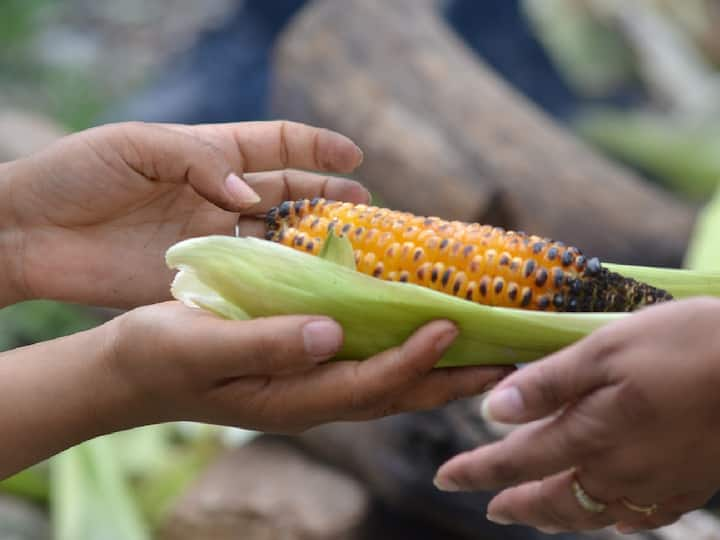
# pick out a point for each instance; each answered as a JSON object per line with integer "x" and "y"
{"x": 322, "y": 339}
{"x": 361, "y": 155}
{"x": 445, "y": 339}
{"x": 443, "y": 484}
{"x": 499, "y": 519}
{"x": 504, "y": 405}
{"x": 240, "y": 191}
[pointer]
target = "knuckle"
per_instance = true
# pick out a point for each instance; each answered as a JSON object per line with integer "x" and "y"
{"x": 545, "y": 387}
{"x": 583, "y": 434}
{"x": 634, "y": 404}
{"x": 360, "y": 396}
{"x": 504, "y": 472}
{"x": 283, "y": 149}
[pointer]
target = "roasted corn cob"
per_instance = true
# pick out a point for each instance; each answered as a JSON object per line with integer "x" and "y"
{"x": 480, "y": 263}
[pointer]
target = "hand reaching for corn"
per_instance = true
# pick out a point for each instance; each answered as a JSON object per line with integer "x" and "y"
{"x": 629, "y": 412}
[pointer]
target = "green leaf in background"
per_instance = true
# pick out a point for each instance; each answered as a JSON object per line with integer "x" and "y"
{"x": 704, "y": 251}
{"x": 90, "y": 496}
{"x": 684, "y": 154}
{"x": 590, "y": 56}
{"x": 32, "y": 484}
{"x": 40, "y": 320}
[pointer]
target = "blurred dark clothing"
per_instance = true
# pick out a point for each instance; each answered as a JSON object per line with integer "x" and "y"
{"x": 225, "y": 76}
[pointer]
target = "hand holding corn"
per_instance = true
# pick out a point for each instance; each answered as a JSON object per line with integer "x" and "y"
{"x": 635, "y": 407}
{"x": 89, "y": 221}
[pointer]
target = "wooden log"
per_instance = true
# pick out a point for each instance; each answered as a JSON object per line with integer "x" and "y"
{"x": 444, "y": 135}
{"x": 268, "y": 490}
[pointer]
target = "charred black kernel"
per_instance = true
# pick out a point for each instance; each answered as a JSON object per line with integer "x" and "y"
{"x": 418, "y": 253}
{"x": 428, "y": 222}
{"x": 404, "y": 276}
{"x": 558, "y": 276}
{"x": 558, "y": 300}
{"x": 469, "y": 292}
{"x": 456, "y": 247}
{"x": 299, "y": 206}
{"x": 484, "y": 286}
{"x": 310, "y": 245}
{"x": 315, "y": 223}
{"x": 541, "y": 277}
{"x": 284, "y": 209}
{"x": 580, "y": 262}
{"x": 504, "y": 259}
{"x": 331, "y": 226}
{"x": 299, "y": 240}
{"x": 443, "y": 244}
{"x": 269, "y": 235}
{"x": 346, "y": 228}
{"x": 446, "y": 277}
{"x": 567, "y": 258}
{"x": 543, "y": 303}
{"x": 512, "y": 291}
{"x": 514, "y": 265}
{"x": 529, "y": 268}
{"x": 499, "y": 284}
{"x": 538, "y": 247}
{"x": 599, "y": 305}
{"x": 314, "y": 201}
{"x": 572, "y": 305}
{"x": 467, "y": 251}
{"x": 359, "y": 231}
{"x": 457, "y": 285}
{"x": 576, "y": 286}
{"x": 434, "y": 275}
{"x": 593, "y": 267}
{"x": 378, "y": 270}
{"x": 526, "y": 297}
{"x": 552, "y": 253}
{"x": 281, "y": 236}
{"x": 271, "y": 217}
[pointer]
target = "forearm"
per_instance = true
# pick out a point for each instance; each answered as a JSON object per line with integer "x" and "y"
{"x": 56, "y": 394}
{"x": 10, "y": 242}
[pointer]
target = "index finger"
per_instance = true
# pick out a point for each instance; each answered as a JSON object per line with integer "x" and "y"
{"x": 267, "y": 146}
{"x": 531, "y": 452}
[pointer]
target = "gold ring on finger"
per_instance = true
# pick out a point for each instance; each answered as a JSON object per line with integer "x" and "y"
{"x": 648, "y": 510}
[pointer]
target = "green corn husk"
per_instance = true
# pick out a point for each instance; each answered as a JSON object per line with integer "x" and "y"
{"x": 238, "y": 278}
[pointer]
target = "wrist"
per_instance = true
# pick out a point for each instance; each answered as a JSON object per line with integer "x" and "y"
{"x": 12, "y": 288}
{"x": 62, "y": 393}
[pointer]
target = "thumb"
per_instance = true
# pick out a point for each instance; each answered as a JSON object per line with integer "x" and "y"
{"x": 163, "y": 154}
{"x": 544, "y": 387}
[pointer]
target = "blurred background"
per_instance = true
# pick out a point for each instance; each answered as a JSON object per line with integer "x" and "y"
{"x": 592, "y": 121}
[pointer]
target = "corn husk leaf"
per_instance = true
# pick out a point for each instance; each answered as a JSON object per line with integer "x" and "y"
{"x": 260, "y": 278}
